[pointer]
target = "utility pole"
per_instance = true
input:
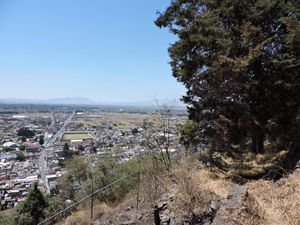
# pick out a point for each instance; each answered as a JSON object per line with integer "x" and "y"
{"x": 92, "y": 199}
{"x": 139, "y": 178}
{"x": 90, "y": 174}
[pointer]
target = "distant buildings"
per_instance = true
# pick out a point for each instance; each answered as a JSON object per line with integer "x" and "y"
{"x": 10, "y": 144}
{"x": 19, "y": 117}
{"x": 90, "y": 134}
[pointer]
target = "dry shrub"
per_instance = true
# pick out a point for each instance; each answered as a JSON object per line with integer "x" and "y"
{"x": 78, "y": 218}
{"x": 184, "y": 174}
{"x": 151, "y": 185}
{"x": 100, "y": 210}
{"x": 213, "y": 183}
{"x": 277, "y": 202}
{"x": 196, "y": 187}
{"x": 252, "y": 166}
{"x": 192, "y": 195}
{"x": 82, "y": 217}
{"x": 200, "y": 177}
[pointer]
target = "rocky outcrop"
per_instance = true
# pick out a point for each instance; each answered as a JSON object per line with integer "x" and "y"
{"x": 220, "y": 212}
{"x": 217, "y": 212}
{"x": 162, "y": 213}
{"x": 129, "y": 218}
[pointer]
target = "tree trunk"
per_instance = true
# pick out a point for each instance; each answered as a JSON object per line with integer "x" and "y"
{"x": 258, "y": 143}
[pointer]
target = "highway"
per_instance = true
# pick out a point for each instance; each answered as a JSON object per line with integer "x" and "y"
{"x": 49, "y": 143}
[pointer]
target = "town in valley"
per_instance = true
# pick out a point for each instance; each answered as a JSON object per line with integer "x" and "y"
{"x": 36, "y": 139}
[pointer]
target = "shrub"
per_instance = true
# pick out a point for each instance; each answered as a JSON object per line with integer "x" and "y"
{"x": 78, "y": 218}
{"x": 20, "y": 156}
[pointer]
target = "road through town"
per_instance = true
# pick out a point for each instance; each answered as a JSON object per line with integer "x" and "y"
{"x": 49, "y": 143}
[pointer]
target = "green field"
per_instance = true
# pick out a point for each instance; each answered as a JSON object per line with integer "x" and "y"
{"x": 76, "y": 136}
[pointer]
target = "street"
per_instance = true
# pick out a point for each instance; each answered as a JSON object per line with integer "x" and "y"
{"x": 49, "y": 143}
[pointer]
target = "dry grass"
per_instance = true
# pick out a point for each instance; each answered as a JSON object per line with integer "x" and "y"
{"x": 82, "y": 217}
{"x": 152, "y": 181}
{"x": 100, "y": 210}
{"x": 76, "y": 136}
{"x": 197, "y": 187}
{"x": 274, "y": 203}
{"x": 78, "y": 218}
{"x": 125, "y": 121}
{"x": 191, "y": 170}
{"x": 250, "y": 165}
{"x": 184, "y": 174}
{"x": 213, "y": 182}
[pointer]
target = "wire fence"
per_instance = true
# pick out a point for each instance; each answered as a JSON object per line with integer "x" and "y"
{"x": 89, "y": 196}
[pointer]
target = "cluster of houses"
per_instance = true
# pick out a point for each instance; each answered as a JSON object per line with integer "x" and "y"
{"x": 23, "y": 161}
{"x": 19, "y": 157}
{"x": 124, "y": 144}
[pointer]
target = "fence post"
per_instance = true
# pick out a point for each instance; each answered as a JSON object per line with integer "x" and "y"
{"x": 87, "y": 197}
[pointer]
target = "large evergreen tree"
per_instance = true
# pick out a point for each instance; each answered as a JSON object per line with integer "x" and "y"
{"x": 31, "y": 211}
{"x": 239, "y": 61}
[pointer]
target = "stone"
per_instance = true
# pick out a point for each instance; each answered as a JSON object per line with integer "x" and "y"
{"x": 162, "y": 205}
{"x": 162, "y": 214}
{"x": 215, "y": 205}
{"x": 174, "y": 221}
{"x": 164, "y": 218}
{"x": 127, "y": 218}
{"x": 140, "y": 216}
{"x": 168, "y": 196}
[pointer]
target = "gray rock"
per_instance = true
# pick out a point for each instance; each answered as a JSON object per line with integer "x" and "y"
{"x": 139, "y": 216}
{"x": 215, "y": 205}
{"x": 168, "y": 196}
{"x": 162, "y": 214}
{"x": 162, "y": 205}
{"x": 164, "y": 217}
{"x": 127, "y": 218}
{"x": 174, "y": 221}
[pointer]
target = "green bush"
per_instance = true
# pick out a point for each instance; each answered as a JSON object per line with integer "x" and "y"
{"x": 106, "y": 171}
{"x": 204, "y": 155}
{"x": 7, "y": 149}
{"x": 22, "y": 147}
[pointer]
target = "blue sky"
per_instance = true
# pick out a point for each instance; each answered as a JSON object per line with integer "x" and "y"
{"x": 98, "y": 49}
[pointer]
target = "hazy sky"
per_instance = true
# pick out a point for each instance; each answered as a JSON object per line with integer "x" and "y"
{"x": 106, "y": 50}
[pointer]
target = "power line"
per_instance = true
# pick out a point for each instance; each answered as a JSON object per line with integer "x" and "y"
{"x": 88, "y": 196}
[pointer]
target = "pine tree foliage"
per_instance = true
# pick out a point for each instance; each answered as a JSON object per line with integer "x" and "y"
{"x": 239, "y": 61}
{"x": 31, "y": 211}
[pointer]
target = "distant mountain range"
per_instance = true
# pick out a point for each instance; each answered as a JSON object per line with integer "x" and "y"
{"x": 80, "y": 101}
{"x": 54, "y": 101}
